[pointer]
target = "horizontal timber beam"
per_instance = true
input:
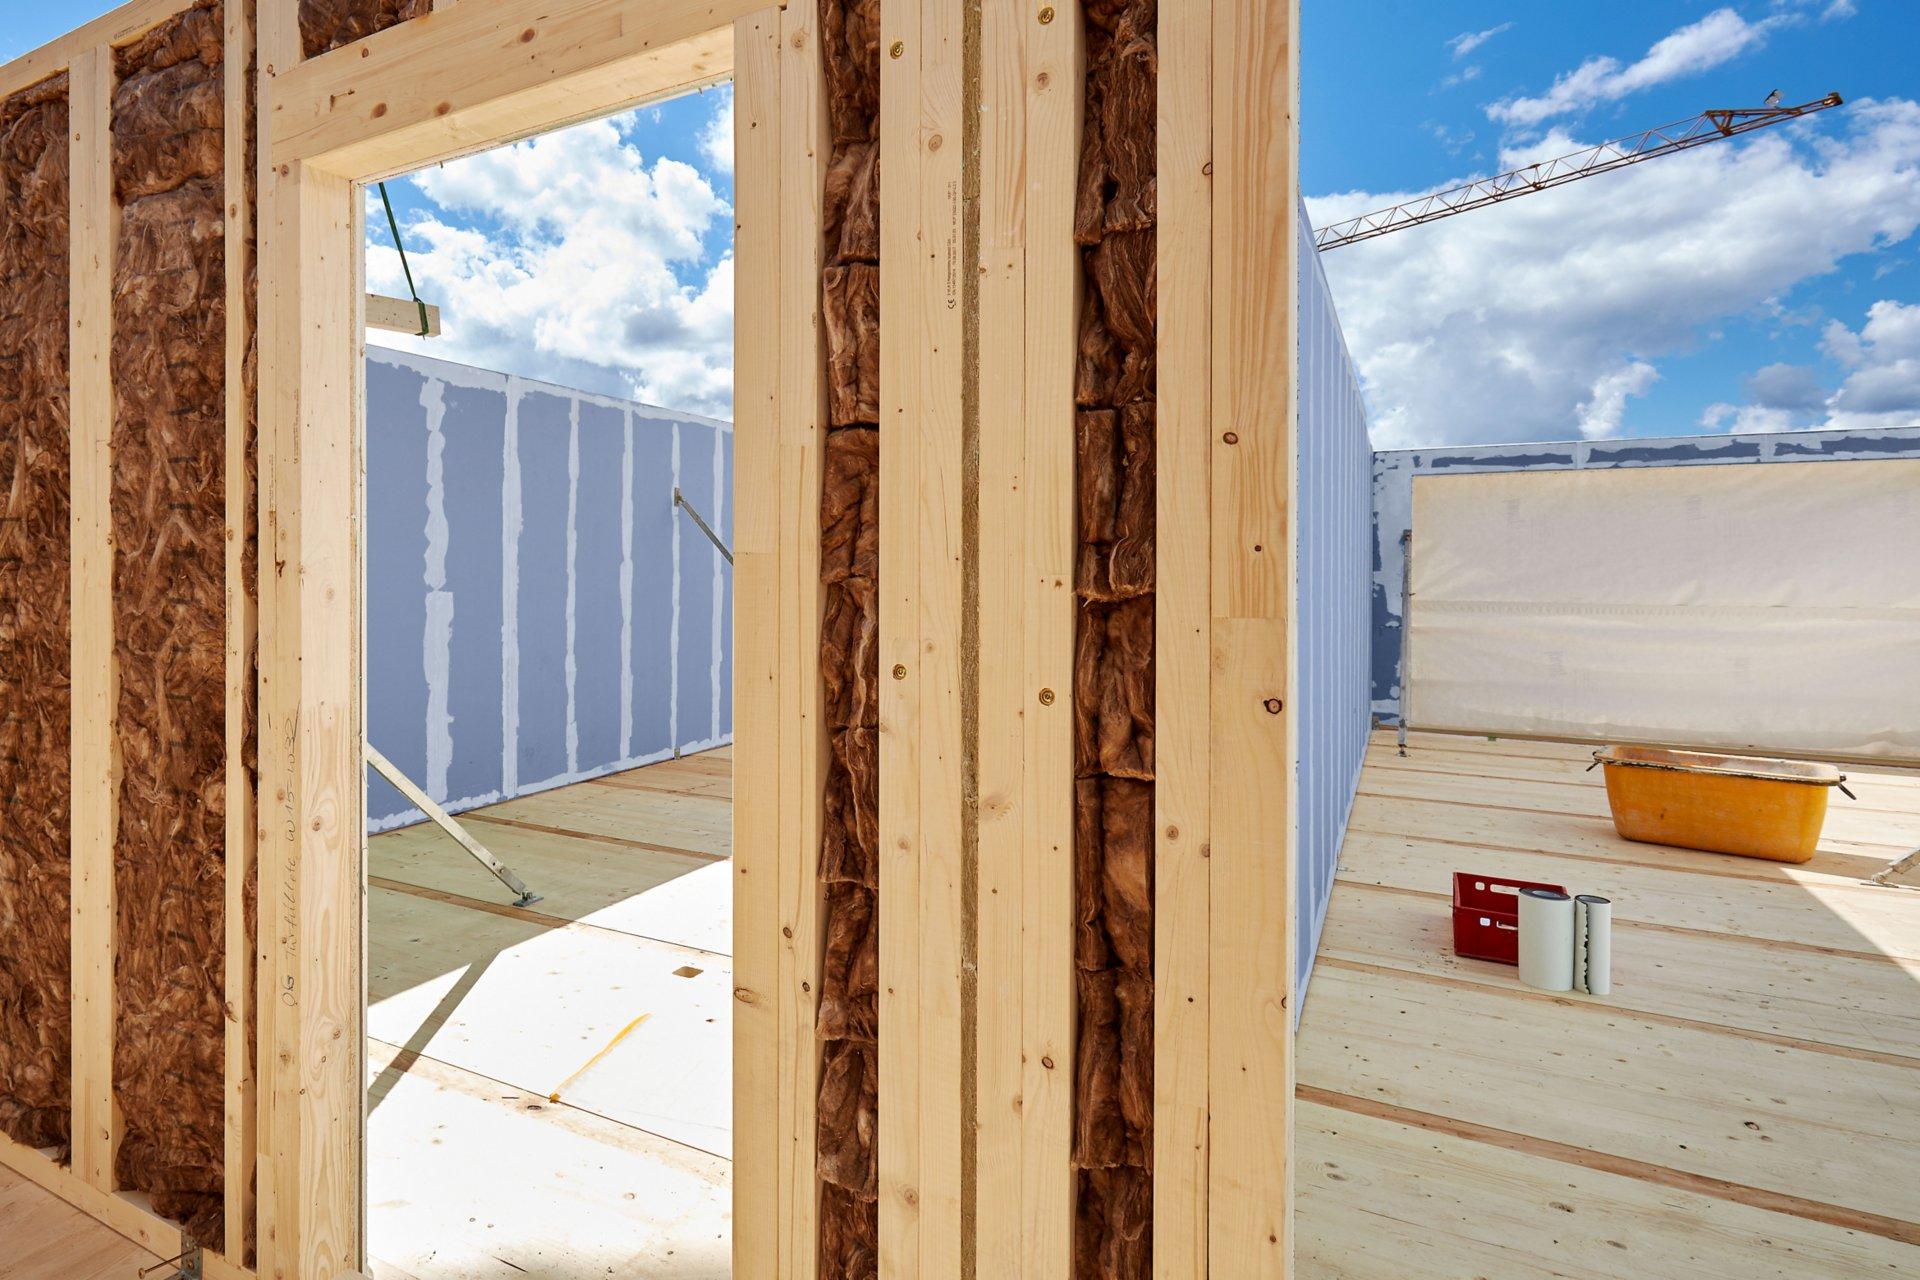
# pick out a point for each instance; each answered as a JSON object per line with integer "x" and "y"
{"x": 128, "y": 22}
{"x": 480, "y": 75}
{"x": 117, "y": 1213}
{"x": 402, "y": 315}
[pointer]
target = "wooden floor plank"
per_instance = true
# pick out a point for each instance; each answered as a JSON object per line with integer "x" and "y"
{"x": 1816, "y": 913}
{"x": 615, "y": 990}
{"x": 1731, "y": 982}
{"x": 1387, "y": 1201}
{"x": 471, "y": 1179}
{"x": 44, "y": 1238}
{"x": 1721, "y": 1107}
{"x": 1739, "y": 1107}
{"x": 1562, "y": 834}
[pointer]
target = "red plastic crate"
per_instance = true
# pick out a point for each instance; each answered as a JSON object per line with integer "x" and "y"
{"x": 1486, "y": 915}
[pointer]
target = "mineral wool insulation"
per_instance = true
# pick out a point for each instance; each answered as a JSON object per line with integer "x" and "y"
{"x": 849, "y": 1018}
{"x": 35, "y": 952}
{"x": 169, "y": 522}
{"x": 1113, "y": 659}
{"x": 328, "y": 24}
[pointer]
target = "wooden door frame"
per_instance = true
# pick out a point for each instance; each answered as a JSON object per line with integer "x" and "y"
{"x": 477, "y": 75}
{"x": 457, "y": 81}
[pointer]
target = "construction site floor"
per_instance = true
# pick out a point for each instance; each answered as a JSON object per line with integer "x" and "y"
{"x": 612, "y": 992}
{"x": 1742, "y": 1106}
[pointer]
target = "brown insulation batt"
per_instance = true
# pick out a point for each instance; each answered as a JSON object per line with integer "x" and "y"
{"x": 328, "y": 24}
{"x": 169, "y": 522}
{"x": 849, "y": 1019}
{"x": 35, "y": 871}
{"x": 1113, "y": 656}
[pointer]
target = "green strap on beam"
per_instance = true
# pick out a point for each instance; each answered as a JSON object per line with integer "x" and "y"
{"x": 393, "y": 225}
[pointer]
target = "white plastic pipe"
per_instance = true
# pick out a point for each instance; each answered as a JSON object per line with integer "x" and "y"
{"x": 1593, "y": 962}
{"x": 1546, "y": 939}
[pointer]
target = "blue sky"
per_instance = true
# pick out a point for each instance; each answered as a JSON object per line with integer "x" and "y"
{"x": 1766, "y": 282}
{"x": 1769, "y": 282}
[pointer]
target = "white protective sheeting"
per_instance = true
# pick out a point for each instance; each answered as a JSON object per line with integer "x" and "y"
{"x": 1751, "y": 608}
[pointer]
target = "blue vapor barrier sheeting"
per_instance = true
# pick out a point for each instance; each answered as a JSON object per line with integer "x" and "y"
{"x": 538, "y": 612}
{"x": 1335, "y": 530}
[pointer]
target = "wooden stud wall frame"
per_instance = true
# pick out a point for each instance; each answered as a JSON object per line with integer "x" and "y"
{"x": 981, "y": 116}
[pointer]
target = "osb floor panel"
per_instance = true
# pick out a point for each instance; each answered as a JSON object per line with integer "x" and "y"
{"x": 1742, "y": 1105}
{"x": 613, "y": 990}
{"x": 47, "y": 1239}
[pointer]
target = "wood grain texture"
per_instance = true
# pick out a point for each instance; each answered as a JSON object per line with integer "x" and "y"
{"x": 806, "y": 738}
{"x": 901, "y": 721}
{"x": 312, "y": 784}
{"x": 96, "y": 767}
{"x": 758, "y": 838}
{"x": 1054, "y": 92}
{"x": 242, "y": 540}
{"x": 1721, "y": 1113}
{"x": 1183, "y": 648}
{"x": 478, "y": 75}
{"x": 1253, "y": 695}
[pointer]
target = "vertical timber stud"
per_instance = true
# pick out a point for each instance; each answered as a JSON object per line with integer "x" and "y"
{"x": 96, "y": 774}
{"x": 312, "y": 810}
{"x": 1002, "y": 575}
{"x": 1030, "y": 120}
{"x": 901, "y": 730}
{"x": 758, "y": 567}
{"x": 801, "y": 435}
{"x": 1054, "y": 91}
{"x": 1183, "y": 642}
{"x": 242, "y": 628}
{"x": 1253, "y": 784}
{"x": 925, "y": 801}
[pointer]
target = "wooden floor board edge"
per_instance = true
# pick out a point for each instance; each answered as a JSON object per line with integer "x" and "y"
{"x": 1613, "y": 1006}
{"x": 1826, "y": 879}
{"x": 1880, "y": 957}
{"x": 1387, "y": 762}
{"x": 529, "y": 916}
{"x": 583, "y": 1122}
{"x": 1841, "y": 1216}
{"x": 566, "y": 833}
{"x": 117, "y": 1213}
{"x": 1865, "y": 846}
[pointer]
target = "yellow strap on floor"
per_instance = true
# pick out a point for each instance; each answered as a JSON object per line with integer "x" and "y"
{"x": 595, "y": 1060}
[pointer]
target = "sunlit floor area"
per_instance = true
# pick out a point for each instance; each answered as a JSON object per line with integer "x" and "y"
{"x": 550, "y": 1087}
{"x": 1742, "y": 1105}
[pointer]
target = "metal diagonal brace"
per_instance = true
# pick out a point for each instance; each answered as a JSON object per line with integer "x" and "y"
{"x": 444, "y": 820}
{"x": 679, "y": 500}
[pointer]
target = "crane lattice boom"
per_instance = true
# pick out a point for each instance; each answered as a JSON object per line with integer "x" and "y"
{"x": 1708, "y": 126}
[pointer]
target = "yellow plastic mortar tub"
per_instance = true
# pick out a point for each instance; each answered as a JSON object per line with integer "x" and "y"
{"x": 1744, "y": 805}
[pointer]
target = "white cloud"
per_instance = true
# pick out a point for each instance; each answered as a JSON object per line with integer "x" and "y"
{"x": 1717, "y": 38}
{"x": 1467, "y": 41}
{"x": 556, "y": 258}
{"x": 1882, "y": 360}
{"x": 1839, "y": 9}
{"x": 1605, "y": 410}
{"x": 1746, "y": 419}
{"x": 716, "y": 140}
{"x": 1506, "y": 324}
